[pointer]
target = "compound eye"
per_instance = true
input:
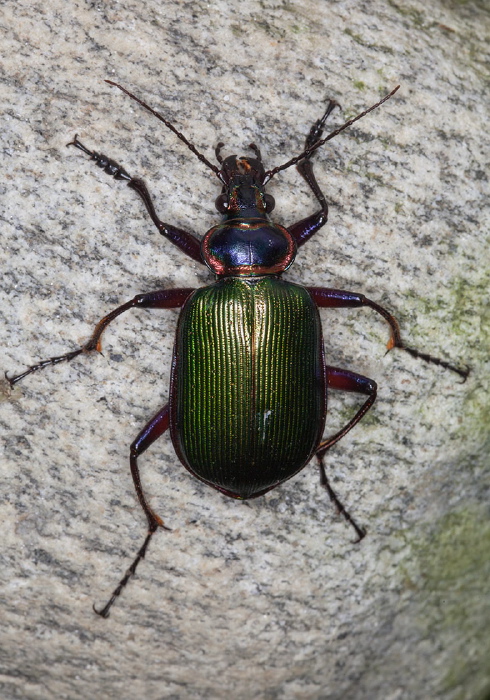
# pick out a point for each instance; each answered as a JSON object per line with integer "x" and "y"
{"x": 270, "y": 203}
{"x": 221, "y": 203}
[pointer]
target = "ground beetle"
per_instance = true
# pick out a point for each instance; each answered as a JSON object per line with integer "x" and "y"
{"x": 249, "y": 384}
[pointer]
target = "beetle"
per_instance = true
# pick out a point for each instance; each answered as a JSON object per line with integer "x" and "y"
{"x": 249, "y": 380}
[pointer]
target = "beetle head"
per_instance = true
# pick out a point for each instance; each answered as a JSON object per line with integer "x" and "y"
{"x": 243, "y": 188}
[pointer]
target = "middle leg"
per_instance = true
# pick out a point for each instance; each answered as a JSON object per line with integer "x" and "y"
{"x": 338, "y": 298}
{"x": 162, "y": 299}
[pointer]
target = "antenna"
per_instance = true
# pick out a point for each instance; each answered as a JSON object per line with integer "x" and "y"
{"x": 170, "y": 126}
{"x": 308, "y": 151}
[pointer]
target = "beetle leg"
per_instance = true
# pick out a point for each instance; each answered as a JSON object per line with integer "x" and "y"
{"x": 187, "y": 242}
{"x": 306, "y": 228}
{"x": 163, "y": 299}
{"x": 184, "y": 240}
{"x": 151, "y": 432}
{"x": 345, "y": 380}
{"x": 337, "y": 298}
{"x": 341, "y": 509}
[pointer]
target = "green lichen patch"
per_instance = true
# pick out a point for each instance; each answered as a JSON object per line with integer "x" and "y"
{"x": 453, "y": 564}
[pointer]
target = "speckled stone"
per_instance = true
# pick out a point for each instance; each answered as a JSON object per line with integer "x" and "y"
{"x": 266, "y": 599}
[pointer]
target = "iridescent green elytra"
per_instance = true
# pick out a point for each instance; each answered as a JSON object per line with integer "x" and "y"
{"x": 248, "y": 389}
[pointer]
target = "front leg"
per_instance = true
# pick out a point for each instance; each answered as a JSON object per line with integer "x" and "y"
{"x": 306, "y": 228}
{"x": 163, "y": 299}
{"x": 184, "y": 240}
{"x": 337, "y": 298}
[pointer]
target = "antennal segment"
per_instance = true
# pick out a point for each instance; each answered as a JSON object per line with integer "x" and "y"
{"x": 308, "y": 151}
{"x": 170, "y": 126}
